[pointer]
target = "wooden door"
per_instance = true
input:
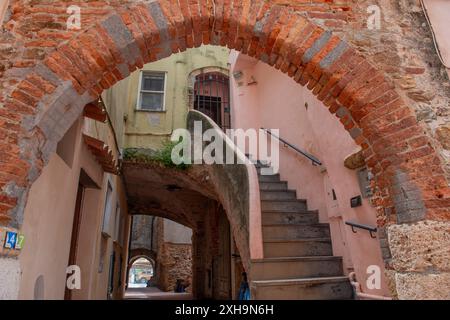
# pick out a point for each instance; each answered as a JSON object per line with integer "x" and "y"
{"x": 75, "y": 234}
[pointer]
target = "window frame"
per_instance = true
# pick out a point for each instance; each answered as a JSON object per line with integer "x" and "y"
{"x": 117, "y": 222}
{"x": 140, "y": 90}
{"x": 107, "y": 214}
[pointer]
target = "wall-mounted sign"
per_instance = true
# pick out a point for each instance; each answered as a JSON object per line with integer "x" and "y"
{"x": 356, "y": 202}
{"x": 11, "y": 240}
{"x": 19, "y": 243}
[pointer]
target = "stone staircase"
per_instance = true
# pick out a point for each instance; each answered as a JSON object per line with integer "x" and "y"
{"x": 298, "y": 259}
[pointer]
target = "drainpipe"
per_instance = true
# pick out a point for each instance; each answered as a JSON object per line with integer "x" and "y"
{"x": 358, "y": 291}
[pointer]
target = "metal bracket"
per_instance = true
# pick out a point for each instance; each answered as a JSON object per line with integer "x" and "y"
{"x": 371, "y": 230}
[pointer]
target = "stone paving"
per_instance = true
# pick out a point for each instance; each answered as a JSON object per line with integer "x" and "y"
{"x": 154, "y": 293}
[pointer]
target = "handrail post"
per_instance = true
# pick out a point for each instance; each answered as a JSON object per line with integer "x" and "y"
{"x": 354, "y": 225}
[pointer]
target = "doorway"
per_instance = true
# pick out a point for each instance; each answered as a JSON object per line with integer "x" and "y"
{"x": 75, "y": 234}
{"x": 212, "y": 97}
{"x": 141, "y": 273}
{"x": 79, "y": 232}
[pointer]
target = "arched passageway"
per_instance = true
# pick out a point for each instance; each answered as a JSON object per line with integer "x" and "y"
{"x": 141, "y": 272}
{"x": 409, "y": 181}
{"x": 191, "y": 199}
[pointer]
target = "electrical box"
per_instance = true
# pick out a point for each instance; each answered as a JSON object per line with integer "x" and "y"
{"x": 356, "y": 202}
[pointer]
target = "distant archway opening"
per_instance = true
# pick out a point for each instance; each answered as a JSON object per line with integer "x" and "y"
{"x": 141, "y": 273}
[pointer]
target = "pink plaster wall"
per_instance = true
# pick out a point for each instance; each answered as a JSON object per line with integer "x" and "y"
{"x": 438, "y": 12}
{"x": 48, "y": 221}
{"x": 277, "y": 102}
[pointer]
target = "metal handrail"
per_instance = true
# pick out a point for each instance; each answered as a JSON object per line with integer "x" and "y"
{"x": 314, "y": 160}
{"x": 362, "y": 226}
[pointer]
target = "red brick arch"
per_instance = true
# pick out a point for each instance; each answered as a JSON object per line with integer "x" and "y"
{"x": 409, "y": 182}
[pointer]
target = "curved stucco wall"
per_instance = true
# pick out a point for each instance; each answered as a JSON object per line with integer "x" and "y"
{"x": 238, "y": 190}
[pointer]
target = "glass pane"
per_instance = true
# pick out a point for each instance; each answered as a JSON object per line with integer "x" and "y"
{"x": 153, "y": 82}
{"x": 152, "y": 101}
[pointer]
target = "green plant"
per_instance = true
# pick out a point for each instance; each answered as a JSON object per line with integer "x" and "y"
{"x": 162, "y": 156}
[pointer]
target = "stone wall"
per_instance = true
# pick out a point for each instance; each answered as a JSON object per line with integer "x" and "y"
{"x": 174, "y": 262}
{"x": 403, "y": 47}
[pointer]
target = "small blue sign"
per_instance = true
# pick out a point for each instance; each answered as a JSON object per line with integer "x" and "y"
{"x": 11, "y": 239}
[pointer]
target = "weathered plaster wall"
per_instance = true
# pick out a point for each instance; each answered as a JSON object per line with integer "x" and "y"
{"x": 306, "y": 123}
{"x": 273, "y": 92}
{"x": 403, "y": 47}
{"x": 48, "y": 224}
{"x": 147, "y": 129}
{"x": 176, "y": 233}
{"x": 88, "y": 244}
{"x": 9, "y": 278}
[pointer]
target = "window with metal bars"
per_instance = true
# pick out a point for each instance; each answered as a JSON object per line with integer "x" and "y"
{"x": 212, "y": 97}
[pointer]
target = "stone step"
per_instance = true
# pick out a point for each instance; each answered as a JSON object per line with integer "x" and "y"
{"x": 278, "y": 195}
{"x": 268, "y": 170}
{"x": 295, "y": 231}
{"x": 279, "y": 186}
{"x": 297, "y": 267}
{"x": 260, "y": 164}
{"x": 294, "y": 205}
{"x": 298, "y": 248}
{"x": 329, "y": 288}
{"x": 310, "y": 217}
{"x": 272, "y": 178}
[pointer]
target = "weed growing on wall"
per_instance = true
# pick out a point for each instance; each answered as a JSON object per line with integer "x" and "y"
{"x": 162, "y": 156}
